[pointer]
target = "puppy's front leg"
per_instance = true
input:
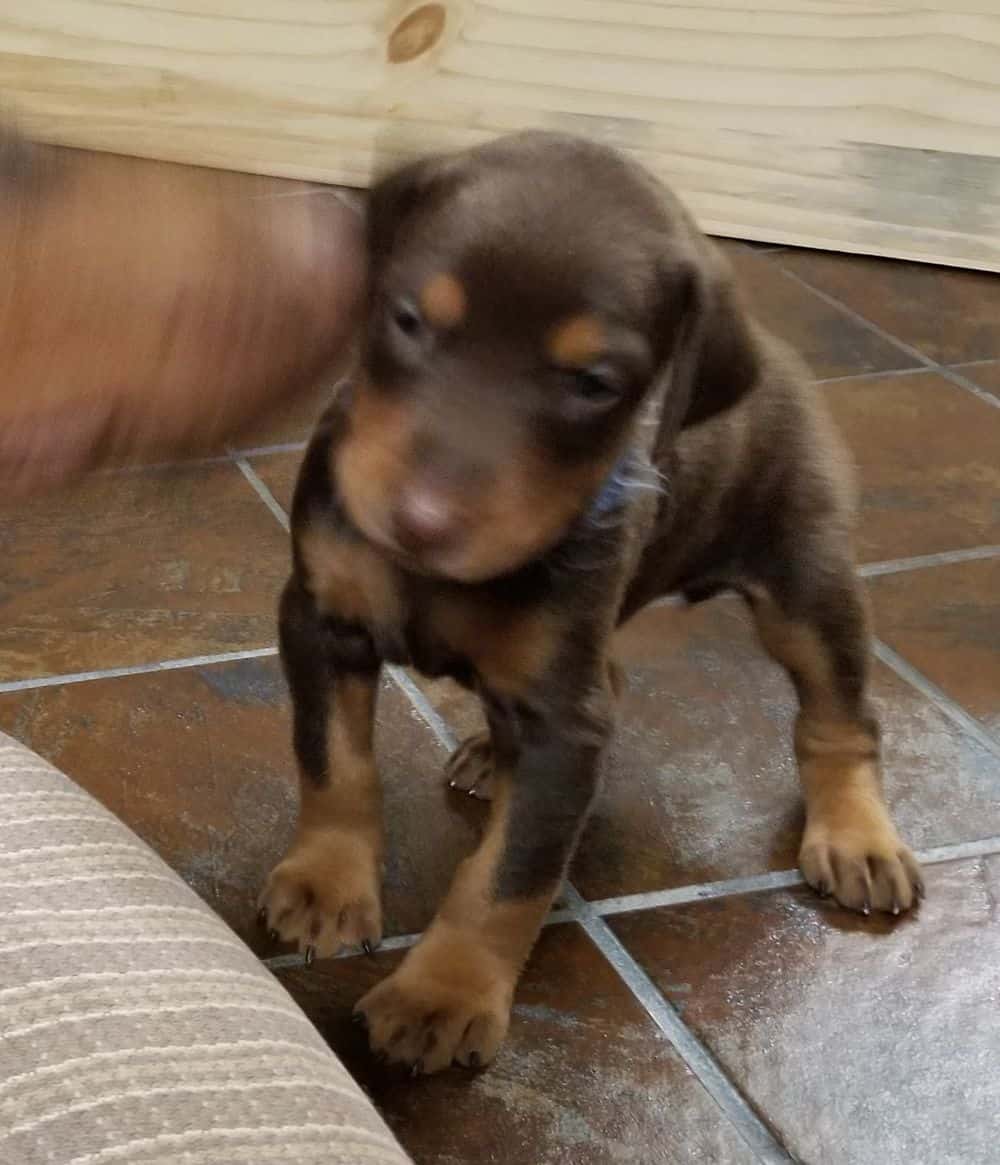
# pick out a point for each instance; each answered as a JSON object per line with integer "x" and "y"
{"x": 450, "y": 999}
{"x": 325, "y": 892}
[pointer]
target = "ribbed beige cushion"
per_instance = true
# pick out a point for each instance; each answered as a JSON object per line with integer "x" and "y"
{"x": 134, "y": 1026}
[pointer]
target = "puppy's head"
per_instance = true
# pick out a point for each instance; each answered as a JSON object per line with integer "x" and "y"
{"x": 525, "y": 299}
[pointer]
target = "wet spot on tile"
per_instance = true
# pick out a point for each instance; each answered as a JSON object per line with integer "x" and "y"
{"x": 584, "y": 1078}
{"x": 862, "y": 1039}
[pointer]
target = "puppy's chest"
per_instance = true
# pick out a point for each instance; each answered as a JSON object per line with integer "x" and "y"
{"x": 466, "y": 633}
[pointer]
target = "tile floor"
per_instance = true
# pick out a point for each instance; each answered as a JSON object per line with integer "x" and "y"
{"x": 692, "y": 1003}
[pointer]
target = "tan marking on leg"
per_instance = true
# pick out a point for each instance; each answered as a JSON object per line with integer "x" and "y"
{"x": 850, "y": 847}
{"x": 350, "y": 578}
{"x": 510, "y": 652}
{"x": 577, "y": 341}
{"x": 450, "y": 999}
{"x": 443, "y": 301}
{"x": 325, "y": 892}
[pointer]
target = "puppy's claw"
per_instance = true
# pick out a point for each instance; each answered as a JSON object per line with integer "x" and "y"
{"x": 367, "y": 947}
{"x": 273, "y": 935}
{"x": 310, "y": 956}
{"x": 417, "y": 1069}
{"x": 262, "y": 916}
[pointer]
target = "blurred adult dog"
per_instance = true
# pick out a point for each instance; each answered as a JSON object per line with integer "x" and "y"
{"x": 563, "y": 411}
{"x": 149, "y": 310}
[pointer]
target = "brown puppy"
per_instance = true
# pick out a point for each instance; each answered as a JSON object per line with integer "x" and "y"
{"x": 562, "y": 413}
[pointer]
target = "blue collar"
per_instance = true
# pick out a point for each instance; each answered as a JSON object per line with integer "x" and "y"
{"x": 615, "y": 489}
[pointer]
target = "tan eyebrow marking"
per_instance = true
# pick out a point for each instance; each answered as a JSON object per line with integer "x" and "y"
{"x": 577, "y": 341}
{"x": 443, "y": 301}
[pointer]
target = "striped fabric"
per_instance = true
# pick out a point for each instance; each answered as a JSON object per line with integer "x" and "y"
{"x": 135, "y": 1028}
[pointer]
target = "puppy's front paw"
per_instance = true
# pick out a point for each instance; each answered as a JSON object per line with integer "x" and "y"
{"x": 857, "y": 856}
{"x": 448, "y": 1002}
{"x": 470, "y": 767}
{"x": 325, "y": 893}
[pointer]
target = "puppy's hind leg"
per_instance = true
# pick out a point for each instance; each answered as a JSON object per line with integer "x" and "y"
{"x": 815, "y": 624}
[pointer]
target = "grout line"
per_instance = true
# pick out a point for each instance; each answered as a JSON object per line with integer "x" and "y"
{"x": 425, "y": 709}
{"x": 229, "y": 457}
{"x": 961, "y": 381}
{"x": 400, "y": 942}
{"x": 747, "y": 1124}
{"x": 240, "y": 454}
{"x": 944, "y": 703}
{"x": 701, "y": 892}
{"x": 937, "y": 855}
{"x": 756, "y": 883}
{"x": 959, "y": 365}
{"x": 871, "y": 375}
{"x": 928, "y": 365}
{"x": 162, "y": 466}
{"x": 141, "y": 669}
{"x": 919, "y": 561}
{"x": 582, "y": 910}
{"x": 263, "y": 492}
{"x": 868, "y": 324}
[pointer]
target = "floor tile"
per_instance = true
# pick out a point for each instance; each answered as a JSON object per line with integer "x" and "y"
{"x": 946, "y": 622}
{"x": 584, "y": 1078}
{"x": 928, "y": 465}
{"x": 861, "y": 1040}
{"x": 829, "y": 340}
{"x": 949, "y": 315}
{"x": 199, "y": 763}
{"x": 279, "y": 472}
{"x": 137, "y": 567}
{"x": 986, "y": 376}
{"x": 700, "y": 784}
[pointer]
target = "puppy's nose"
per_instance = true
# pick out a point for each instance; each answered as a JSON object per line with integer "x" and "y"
{"x": 425, "y": 520}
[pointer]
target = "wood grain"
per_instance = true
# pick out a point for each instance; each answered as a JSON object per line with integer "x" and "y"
{"x": 872, "y": 127}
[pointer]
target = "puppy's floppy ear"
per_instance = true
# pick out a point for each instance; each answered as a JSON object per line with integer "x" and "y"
{"x": 715, "y": 357}
{"x": 394, "y": 198}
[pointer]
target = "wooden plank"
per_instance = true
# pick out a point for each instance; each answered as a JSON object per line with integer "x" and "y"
{"x": 871, "y": 127}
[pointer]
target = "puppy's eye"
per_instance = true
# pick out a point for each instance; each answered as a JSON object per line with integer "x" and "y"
{"x": 598, "y": 385}
{"x": 406, "y": 319}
